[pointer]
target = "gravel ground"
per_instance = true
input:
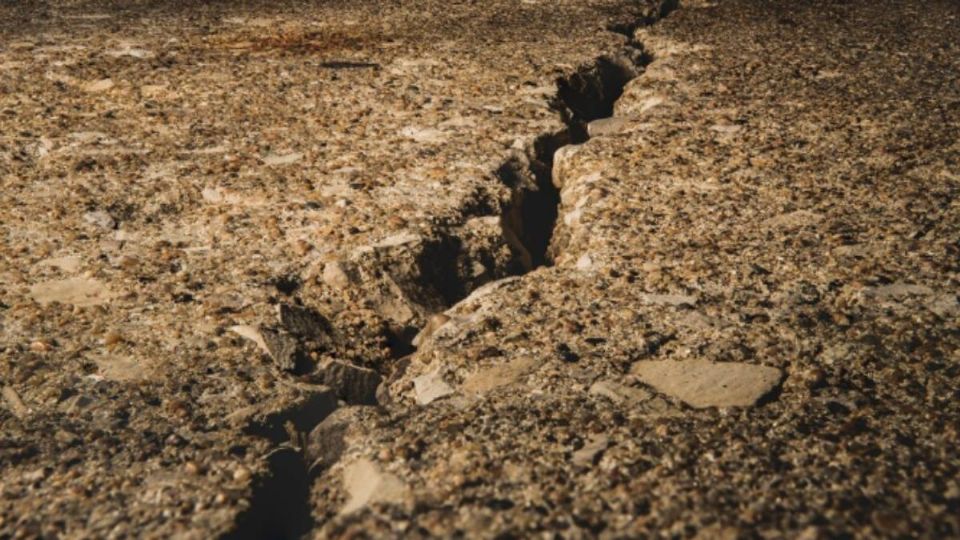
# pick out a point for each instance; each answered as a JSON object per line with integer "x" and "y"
{"x": 499, "y": 269}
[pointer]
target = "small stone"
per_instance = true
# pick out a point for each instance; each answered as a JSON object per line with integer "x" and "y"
{"x": 121, "y": 368}
{"x": 40, "y": 347}
{"x": 66, "y": 437}
{"x": 720, "y": 532}
{"x": 584, "y": 263}
{"x": 68, "y": 264}
{"x": 701, "y": 383}
{"x": 424, "y": 134}
{"x": 282, "y": 159}
{"x": 280, "y": 346}
{"x": 668, "y": 299}
{"x": 366, "y": 483}
{"x": 100, "y": 219}
{"x": 35, "y": 475}
{"x": 191, "y": 467}
{"x": 899, "y": 290}
{"x": 430, "y": 387}
{"x": 128, "y": 262}
{"x": 301, "y": 247}
{"x": 356, "y": 385}
{"x": 131, "y": 51}
{"x": 944, "y": 305}
{"x": 242, "y": 474}
{"x": 335, "y": 275}
{"x": 726, "y": 129}
{"x": 607, "y": 126}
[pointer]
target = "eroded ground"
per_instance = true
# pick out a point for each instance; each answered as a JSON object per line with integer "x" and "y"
{"x": 225, "y": 225}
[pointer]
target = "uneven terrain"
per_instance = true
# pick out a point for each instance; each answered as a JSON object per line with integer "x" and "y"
{"x": 485, "y": 269}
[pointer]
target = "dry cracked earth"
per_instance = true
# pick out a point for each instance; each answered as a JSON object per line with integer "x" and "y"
{"x": 510, "y": 268}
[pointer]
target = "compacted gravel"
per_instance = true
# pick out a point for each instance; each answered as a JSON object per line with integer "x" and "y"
{"x": 596, "y": 268}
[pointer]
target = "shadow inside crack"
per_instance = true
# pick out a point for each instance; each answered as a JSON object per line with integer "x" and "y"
{"x": 280, "y": 505}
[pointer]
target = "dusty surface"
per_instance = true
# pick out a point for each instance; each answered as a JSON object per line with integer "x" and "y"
{"x": 221, "y": 224}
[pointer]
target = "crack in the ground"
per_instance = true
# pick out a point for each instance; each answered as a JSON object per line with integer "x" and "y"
{"x": 280, "y": 504}
{"x": 279, "y": 507}
{"x": 586, "y": 95}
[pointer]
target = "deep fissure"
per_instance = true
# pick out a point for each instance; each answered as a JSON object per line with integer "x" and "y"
{"x": 588, "y": 94}
{"x": 280, "y": 504}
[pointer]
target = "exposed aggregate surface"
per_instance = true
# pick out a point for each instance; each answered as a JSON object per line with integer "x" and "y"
{"x": 222, "y": 224}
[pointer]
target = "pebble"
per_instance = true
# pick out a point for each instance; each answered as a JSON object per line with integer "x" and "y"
{"x": 100, "y": 219}
{"x": 101, "y": 85}
{"x": 14, "y": 403}
{"x": 68, "y": 264}
{"x": 430, "y": 387}
{"x": 242, "y": 474}
{"x": 302, "y": 321}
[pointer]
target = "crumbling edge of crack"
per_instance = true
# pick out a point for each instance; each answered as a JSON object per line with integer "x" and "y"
{"x": 587, "y": 94}
{"x": 280, "y": 503}
{"x": 527, "y": 217}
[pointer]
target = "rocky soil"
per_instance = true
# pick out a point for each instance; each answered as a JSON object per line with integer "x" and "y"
{"x": 499, "y": 269}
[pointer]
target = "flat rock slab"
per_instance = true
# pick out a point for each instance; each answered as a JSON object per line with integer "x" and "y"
{"x": 76, "y": 291}
{"x": 702, "y": 384}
